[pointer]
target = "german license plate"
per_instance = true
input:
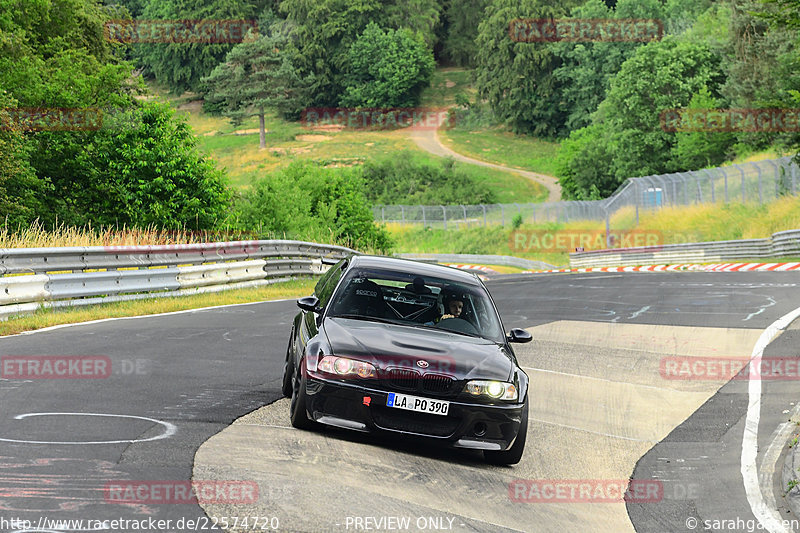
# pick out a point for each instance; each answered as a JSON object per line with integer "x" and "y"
{"x": 417, "y": 404}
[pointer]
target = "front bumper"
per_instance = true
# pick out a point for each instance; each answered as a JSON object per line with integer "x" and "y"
{"x": 359, "y": 407}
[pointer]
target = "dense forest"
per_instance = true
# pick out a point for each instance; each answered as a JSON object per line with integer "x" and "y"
{"x": 604, "y": 100}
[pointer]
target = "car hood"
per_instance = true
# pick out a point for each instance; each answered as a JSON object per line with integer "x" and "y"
{"x": 395, "y": 346}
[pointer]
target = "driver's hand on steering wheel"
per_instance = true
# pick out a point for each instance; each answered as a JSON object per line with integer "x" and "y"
{"x": 447, "y": 316}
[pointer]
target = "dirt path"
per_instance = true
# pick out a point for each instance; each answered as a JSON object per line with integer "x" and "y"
{"x": 428, "y": 140}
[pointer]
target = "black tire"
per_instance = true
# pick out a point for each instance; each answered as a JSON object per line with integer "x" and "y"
{"x": 297, "y": 407}
{"x": 513, "y": 455}
{"x": 286, "y": 387}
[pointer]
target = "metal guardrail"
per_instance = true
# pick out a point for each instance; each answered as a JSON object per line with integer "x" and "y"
{"x": 781, "y": 244}
{"x": 55, "y": 277}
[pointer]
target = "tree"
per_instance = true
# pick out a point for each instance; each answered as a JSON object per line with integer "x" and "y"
{"x": 461, "y": 19}
{"x": 762, "y": 62}
{"x": 19, "y": 187}
{"x": 516, "y": 77}
{"x": 697, "y": 149}
{"x": 584, "y": 165}
{"x": 386, "y": 68}
{"x": 587, "y": 68}
{"x": 255, "y": 76}
{"x": 181, "y": 65}
{"x": 626, "y": 138}
{"x": 324, "y": 31}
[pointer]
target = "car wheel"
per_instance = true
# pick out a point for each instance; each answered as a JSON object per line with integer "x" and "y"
{"x": 287, "y": 371}
{"x": 513, "y": 455}
{"x": 297, "y": 407}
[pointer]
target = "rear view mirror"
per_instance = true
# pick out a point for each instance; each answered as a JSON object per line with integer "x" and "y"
{"x": 309, "y": 303}
{"x": 519, "y": 335}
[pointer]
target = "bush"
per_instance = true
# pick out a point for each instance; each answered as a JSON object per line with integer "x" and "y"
{"x": 406, "y": 179}
{"x": 386, "y": 68}
{"x": 140, "y": 169}
{"x": 308, "y": 202}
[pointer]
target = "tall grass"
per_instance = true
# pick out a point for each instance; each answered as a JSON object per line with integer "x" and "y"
{"x": 37, "y": 236}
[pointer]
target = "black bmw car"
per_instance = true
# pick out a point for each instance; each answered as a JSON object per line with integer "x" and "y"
{"x": 393, "y": 345}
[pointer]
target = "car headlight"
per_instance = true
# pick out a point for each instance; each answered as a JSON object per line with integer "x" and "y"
{"x": 342, "y": 366}
{"x": 499, "y": 390}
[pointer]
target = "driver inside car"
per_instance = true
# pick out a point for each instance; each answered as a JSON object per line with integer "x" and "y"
{"x": 453, "y": 306}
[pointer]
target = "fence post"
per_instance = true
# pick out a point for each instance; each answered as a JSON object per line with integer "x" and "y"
{"x": 777, "y": 177}
{"x": 725, "y": 175}
{"x": 383, "y": 215}
{"x": 502, "y": 216}
{"x": 464, "y": 208}
{"x": 793, "y": 166}
{"x": 744, "y": 196}
{"x": 444, "y": 215}
{"x": 484, "y": 215}
{"x": 423, "y": 217}
{"x": 403, "y": 213}
{"x": 711, "y": 181}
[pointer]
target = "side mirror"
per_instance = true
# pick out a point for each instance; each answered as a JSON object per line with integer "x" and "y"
{"x": 519, "y": 335}
{"x": 309, "y": 303}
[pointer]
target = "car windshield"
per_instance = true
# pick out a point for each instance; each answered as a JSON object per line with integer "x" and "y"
{"x": 412, "y": 300}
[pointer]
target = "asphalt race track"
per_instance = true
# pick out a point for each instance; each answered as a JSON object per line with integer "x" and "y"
{"x": 603, "y": 411}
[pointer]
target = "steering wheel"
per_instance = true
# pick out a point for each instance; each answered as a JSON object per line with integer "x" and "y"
{"x": 458, "y": 324}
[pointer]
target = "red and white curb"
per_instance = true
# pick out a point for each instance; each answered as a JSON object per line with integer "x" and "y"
{"x": 722, "y": 267}
{"x": 473, "y": 267}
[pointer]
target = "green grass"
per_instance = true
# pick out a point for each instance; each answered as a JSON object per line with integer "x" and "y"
{"x": 503, "y": 148}
{"x": 52, "y": 317}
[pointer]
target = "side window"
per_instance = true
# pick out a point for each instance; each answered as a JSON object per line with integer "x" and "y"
{"x": 325, "y": 287}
